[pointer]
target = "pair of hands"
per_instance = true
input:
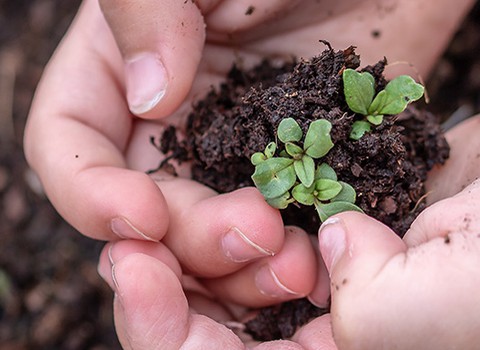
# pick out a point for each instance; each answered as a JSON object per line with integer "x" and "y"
{"x": 91, "y": 156}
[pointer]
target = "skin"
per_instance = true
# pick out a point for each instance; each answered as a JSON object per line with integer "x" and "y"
{"x": 85, "y": 143}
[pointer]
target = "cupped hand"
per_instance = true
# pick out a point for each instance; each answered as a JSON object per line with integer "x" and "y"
{"x": 122, "y": 59}
{"x": 419, "y": 292}
{"x": 158, "y": 308}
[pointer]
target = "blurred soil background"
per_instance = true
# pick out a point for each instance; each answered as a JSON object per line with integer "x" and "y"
{"x": 50, "y": 294}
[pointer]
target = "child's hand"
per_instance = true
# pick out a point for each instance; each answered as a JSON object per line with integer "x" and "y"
{"x": 158, "y": 308}
{"x": 82, "y": 138}
{"x": 419, "y": 293}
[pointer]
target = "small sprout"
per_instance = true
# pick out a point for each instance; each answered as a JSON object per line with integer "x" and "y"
{"x": 274, "y": 176}
{"x": 318, "y": 141}
{"x": 293, "y": 176}
{"x": 305, "y": 170}
{"x": 289, "y": 131}
{"x": 359, "y": 90}
{"x": 359, "y": 128}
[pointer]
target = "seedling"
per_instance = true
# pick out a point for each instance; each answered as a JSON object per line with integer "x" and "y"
{"x": 294, "y": 177}
{"x": 359, "y": 90}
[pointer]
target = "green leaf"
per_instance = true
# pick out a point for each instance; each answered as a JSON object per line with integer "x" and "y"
{"x": 327, "y": 189}
{"x": 359, "y": 89}
{"x": 318, "y": 141}
{"x": 293, "y": 150}
{"x": 325, "y": 171}
{"x": 397, "y": 95}
{"x": 375, "y": 119}
{"x": 359, "y": 128}
{"x": 274, "y": 176}
{"x": 257, "y": 158}
{"x": 289, "y": 131}
{"x": 280, "y": 202}
{"x": 347, "y": 194}
{"x": 303, "y": 195}
{"x": 270, "y": 149}
{"x": 305, "y": 170}
{"x": 325, "y": 210}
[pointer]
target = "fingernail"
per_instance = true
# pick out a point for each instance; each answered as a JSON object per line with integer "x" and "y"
{"x": 268, "y": 283}
{"x": 239, "y": 248}
{"x": 124, "y": 229}
{"x": 332, "y": 241}
{"x": 146, "y": 82}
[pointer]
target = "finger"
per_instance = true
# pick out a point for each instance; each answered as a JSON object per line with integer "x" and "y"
{"x": 456, "y": 214}
{"x": 213, "y": 235}
{"x": 463, "y": 165}
{"x": 76, "y": 134}
{"x": 356, "y": 250}
{"x": 316, "y": 335}
{"x": 161, "y": 44}
{"x": 357, "y": 244}
{"x": 115, "y": 251}
{"x": 320, "y": 295}
{"x": 290, "y": 274}
{"x": 379, "y": 285}
{"x": 151, "y": 311}
{"x": 233, "y": 16}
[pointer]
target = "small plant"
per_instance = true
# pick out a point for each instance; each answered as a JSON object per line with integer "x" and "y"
{"x": 293, "y": 176}
{"x": 359, "y": 90}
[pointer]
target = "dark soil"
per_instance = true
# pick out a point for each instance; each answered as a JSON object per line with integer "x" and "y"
{"x": 51, "y": 296}
{"x": 387, "y": 166}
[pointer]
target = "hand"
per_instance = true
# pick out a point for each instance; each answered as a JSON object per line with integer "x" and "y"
{"x": 152, "y": 61}
{"x": 419, "y": 293}
{"x": 154, "y": 311}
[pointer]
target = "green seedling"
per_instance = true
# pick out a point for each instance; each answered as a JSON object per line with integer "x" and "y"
{"x": 294, "y": 177}
{"x": 359, "y": 90}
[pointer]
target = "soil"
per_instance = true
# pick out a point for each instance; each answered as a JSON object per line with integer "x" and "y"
{"x": 387, "y": 166}
{"x": 50, "y": 294}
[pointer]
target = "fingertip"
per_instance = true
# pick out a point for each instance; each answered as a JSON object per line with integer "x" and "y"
{"x": 147, "y": 289}
{"x": 114, "y": 203}
{"x": 356, "y": 245}
{"x": 161, "y": 46}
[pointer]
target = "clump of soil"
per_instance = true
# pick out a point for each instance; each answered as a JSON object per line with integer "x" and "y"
{"x": 387, "y": 166}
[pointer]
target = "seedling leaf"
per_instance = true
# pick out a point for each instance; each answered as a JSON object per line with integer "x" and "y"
{"x": 305, "y": 170}
{"x": 270, "y": 149}
{"x": 397, "y": 95}
{"x": 257, "y": 158}
{"x": 289, "y": 131}
{"x": 325, "y": 171}
{"x": 280, "y": 202}
{"x": 318, "y": 141}
{"x": 347, "y": 194}
{"x": 359, "y": 89}
{"x": 293, "y": 150}
{"x": 359, "y": 128}
{"x": 274, "y": 176}
{"x": 325, "y": 210}
{"x": 303, "y": 195}
{"x": 327, "y": 189}
{"x": 375, "y": 119}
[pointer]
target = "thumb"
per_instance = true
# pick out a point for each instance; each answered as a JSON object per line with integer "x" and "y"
{"x": 355, "y": 248}
{"x": 355, "y": 244}
{"x": 161, "y": 43}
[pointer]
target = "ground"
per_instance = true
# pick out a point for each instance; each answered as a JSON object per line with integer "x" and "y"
{"x": 50, "y": 294}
